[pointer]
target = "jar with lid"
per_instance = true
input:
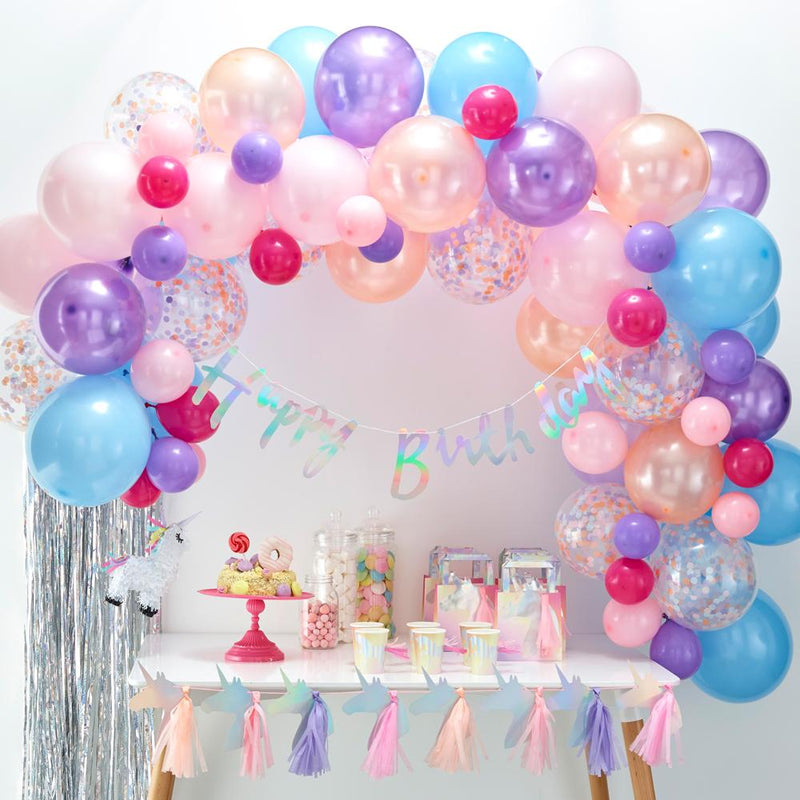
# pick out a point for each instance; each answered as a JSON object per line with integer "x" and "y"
{"x": 375, "y": 574}
{"x": 319, "y": 617}
{"x": 335, "y": 552}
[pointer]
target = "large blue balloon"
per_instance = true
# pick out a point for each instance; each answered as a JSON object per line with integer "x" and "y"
{"x": 761, "y": 330}
{"x": 726, "y": 269}
{"x": 747, "y": 660}
{"x": 302, "y": 48}
{"x": 481, "y": 59}
{"x": 89, "y": 441}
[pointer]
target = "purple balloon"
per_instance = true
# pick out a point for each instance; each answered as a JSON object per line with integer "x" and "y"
{"x": 173, "y": 465}
{"x": 636, "y": 535}
{"x": 368, "y": 80}
{"x": 739, "y": 173}
{"x": 649, "y": 246}
{"x": 257, "y": 157}
{"x": 388, "y": 245}
{"x": 541, "y": 173}
{"x": 677, "y": 649}
{"x": 727, "y": 356}
{"x": 90, "y": 319}
{"x": 159, "y": 253}
{"x": 759, "y": 405}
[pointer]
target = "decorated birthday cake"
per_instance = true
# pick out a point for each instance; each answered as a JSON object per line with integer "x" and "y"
{"x": 264, "y": 574}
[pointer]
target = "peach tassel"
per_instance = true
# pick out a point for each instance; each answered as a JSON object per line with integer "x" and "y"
{"x": 180, "y": 741}
{"x": 456, "y": 746}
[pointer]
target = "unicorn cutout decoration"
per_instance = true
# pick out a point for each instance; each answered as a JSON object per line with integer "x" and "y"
{"x": 373, "y": 698}
{"x": 157, "y": 692}
{"x": 440, "y": 696}
{"x": 514, "y": 697}
{"x": 233, "y": 699}
{"x": 571, "y": 694}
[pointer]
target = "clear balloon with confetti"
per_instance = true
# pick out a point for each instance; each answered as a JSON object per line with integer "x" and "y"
{"x": 704, "y": 580}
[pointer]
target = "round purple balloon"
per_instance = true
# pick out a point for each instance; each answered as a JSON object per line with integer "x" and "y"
{"x": 727, "y": 356}
{"x": 649, "y": 246}
{"x": 368, "y": 80}
{"x": 541, "y": 173}
{"x": 759, "y": 405}
{"x": 90, "y": 319}
{"x": 159, "y": 253}
{"x": 387, "y": 247}
{"x": 636, "y": 535}
{"x": 739, "y": 173}
{"x": 257, "y": 157}
{"x": 677, "y": 649}
{"x": 173, "y": 465}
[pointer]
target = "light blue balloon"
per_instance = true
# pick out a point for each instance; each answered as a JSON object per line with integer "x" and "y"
{"x": 761, "y": 330}
{"x": 302, "y": 48}
{"x": 475, "y": 60}
{"x": 747, "y": 660}
{"x": 89, "y": 441}
{"x": 726, "y": 269}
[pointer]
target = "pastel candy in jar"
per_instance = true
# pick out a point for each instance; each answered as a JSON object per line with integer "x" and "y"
{"x": 319, "y": 618}
{"x": 375, "y": 572}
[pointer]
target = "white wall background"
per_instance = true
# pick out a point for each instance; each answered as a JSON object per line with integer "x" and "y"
{"x": 422, "y": 361}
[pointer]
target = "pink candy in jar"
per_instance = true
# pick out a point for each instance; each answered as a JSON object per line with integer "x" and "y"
{"x": 319, "y": 618}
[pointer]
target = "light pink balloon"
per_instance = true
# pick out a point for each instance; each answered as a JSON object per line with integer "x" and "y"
{"x": 360, "y": 220}
{"x": 165, "y": 134}
{"x": 735, "y": 514}
{"x": 221, "y": 214}
{"x": 30, "y": 254}
{"x": 201, "y": 459}
{"x": 579, "y": 266}
{"x": 162, "y": 370}
{"x": 88, "y": 196}
{"x": 705, "y": 420}
{"x": 591, "y": 88}
{"x": 318, "y": 174}
{"x": 596, "y": 444}
{"x": 631, "y": 625}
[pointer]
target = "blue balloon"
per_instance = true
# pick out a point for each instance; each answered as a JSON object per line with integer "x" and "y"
{"x": 747, "y": 660}
{"x": 726, "y": 269}
{"x": 302, "y": 48}
{"x": 89, "y": 441}
{"x": 761, "y": 330}
{"x": 475, "y": 60}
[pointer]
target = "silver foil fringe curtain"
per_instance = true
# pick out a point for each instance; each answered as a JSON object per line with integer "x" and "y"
{"x": 81, "y": 740}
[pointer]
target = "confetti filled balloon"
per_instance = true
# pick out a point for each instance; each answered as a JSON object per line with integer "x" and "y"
{"x": 704, "y": 580}
{"x": 585, "y": 527}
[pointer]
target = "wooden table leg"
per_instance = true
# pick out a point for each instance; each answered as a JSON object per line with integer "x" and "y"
{"x": 641, "y": 775}
{"x": 598, "y": 785}
{"x": 161, "y": 783}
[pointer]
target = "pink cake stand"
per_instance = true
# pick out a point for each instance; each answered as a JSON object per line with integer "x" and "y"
{"x": 254, "y": 646}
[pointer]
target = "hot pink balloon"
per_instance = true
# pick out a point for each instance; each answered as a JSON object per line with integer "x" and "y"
{"x": 162, "y": 370}
{"x": 221, "y": 214}
{"x": 165, "y": 134}
{"x": 360, "y": 220}
{"x": 201, "y": 459}
{"x": 631, "y": 625}
{"x": 735, "y": 514}
{"x": 596, "y": 444}
{"x": 705, "y": 420}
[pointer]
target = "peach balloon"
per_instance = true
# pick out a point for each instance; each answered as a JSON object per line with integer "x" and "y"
{"x": 247, "y": 90}
{"x": 596, "y": 444}
{"x": 671, "y": 478}
{"x": 652, "y": 167}
{"x": 360, "y": 220}
{"x": 631, "y": 625}
{"x": 165, "y": 134}
{"x": 378, "y": 283}
{"x": 579, "y": 266}
{"x": 201, "y": 459}
{"x": 592, "y": 89}
{"x": 318, "y": 174}
{"x": 735, "y": 514}
{"x": 221, "y": 214}
{"x": 428, "y": 173}
{"x": 705, "y": 420}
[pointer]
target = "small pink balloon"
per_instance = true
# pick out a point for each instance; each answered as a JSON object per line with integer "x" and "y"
{"x": 201, "y": 459}
{"x": 360, "y": 220}
{"x": 162, "y": 370}
{"x": 596, "y": 444}
{"x": 165, "y": 134}
{"x": 735, "y": 514}
{"x": 631, "y": 625}
{"x": 706, "y": 421}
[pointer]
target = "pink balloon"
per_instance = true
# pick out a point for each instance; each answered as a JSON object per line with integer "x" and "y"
{"x": 201, "y": 459}
{"x": 705, "y": 420}
{"x": 221, "y": 214}
{"x": 578, "y": 267}
{"x": 165, "y": 134}
{"x": 596, "y": 444}
{"x": 30, "y": 254}
{"x": 360, "y": 220}
{"x": 631, "y": 625}
{"x": 88, "y": 196}
{"x": 735, "y": 514}
{"x": 162, "y": 370}
{"x": 318, "y": 174}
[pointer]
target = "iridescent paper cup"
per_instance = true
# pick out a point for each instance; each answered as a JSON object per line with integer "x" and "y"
{"x": 411, "y": 626}
{"x": 482, "y": 650}
{"x": 369, "y": 648}
{"x": 464, "y": 628}
{"x": 427, "y": 646}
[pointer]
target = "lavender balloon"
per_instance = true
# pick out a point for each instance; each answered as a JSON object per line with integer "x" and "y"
{"x": 739, "y": 173}
{"x": 541, "y": 173}
{"x": 636, "y": 535}
{"x": 368, "y": 80}
{"x": 387, "y": 247}
{"x": 173, "y": 465}
{"x": 90, "y": 319}
{"x": 727, "y": 356}
{"x": 649, "y": 246}
{"x": 159, "y": 253}
{"x": 257, "y": 157}
{"x": 677, "y": 649}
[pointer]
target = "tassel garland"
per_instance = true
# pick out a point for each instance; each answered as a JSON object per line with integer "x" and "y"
{"x": 456, "y": 746}
{"x": 538, "y": 739}
{"x": 256, "y": 748}
{"x": 654, "y": 742}
{"x": 180, "y": 742}
{"x": 384, "y": 746}
{"x": 594, "y": 732}
{"x": 309, "y": 754}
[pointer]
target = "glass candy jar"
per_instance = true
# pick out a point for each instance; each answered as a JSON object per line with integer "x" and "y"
{"x": 375, "y": 572}
{"x": 319, "y": 617}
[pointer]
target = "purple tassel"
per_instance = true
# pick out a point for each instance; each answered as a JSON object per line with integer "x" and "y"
{"x": 310, "y": 746}
{"x": 595, "y": 733}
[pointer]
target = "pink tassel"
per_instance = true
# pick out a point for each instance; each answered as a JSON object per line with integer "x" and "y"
{"x": 485, "y": 611}
{"x": 384, "y": 746}
{"x": 654, "y": 742}
{"x": 179, "y": 740}
{"x": 456, "y": 746}
{"x": 538, "y": 739}
{"x": 549, "y": 637}
{"x": 256, "y": 747}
